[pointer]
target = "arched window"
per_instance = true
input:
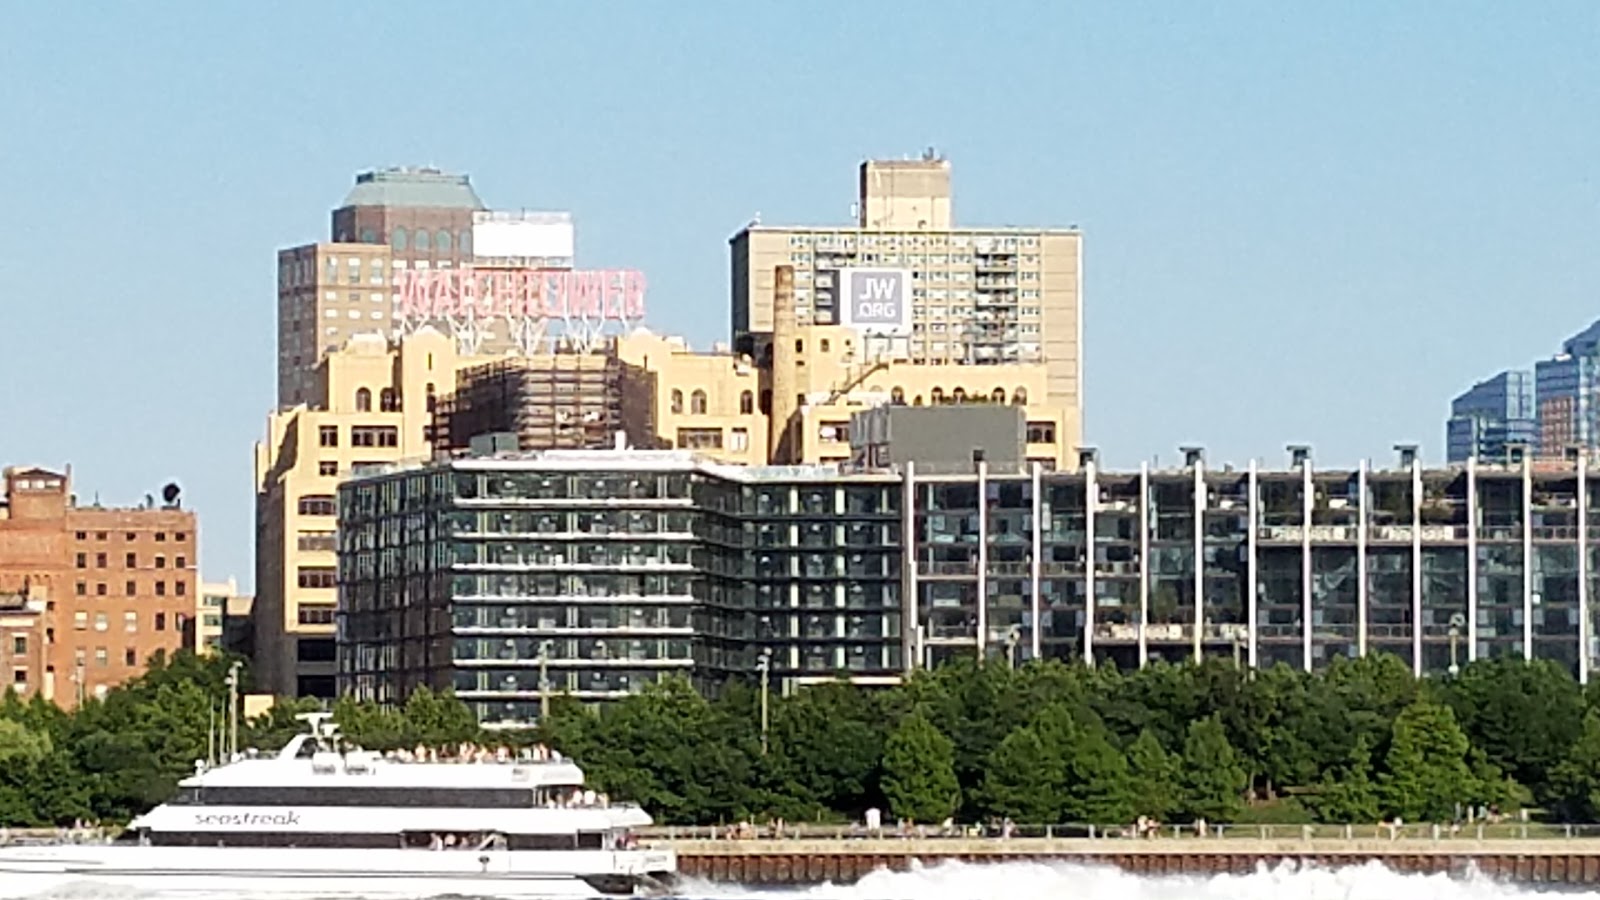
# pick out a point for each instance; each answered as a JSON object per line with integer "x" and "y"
{"x": 387, "y": 401}
{"x": 1019, "y": 397}
{"x": 397, "y": 238}
{"x": 465, "y": 241}
{"x": 368, "y": 236}
{"x": 898, "y": 397}
{"x": 959, "y": 395}
{"x": 432, "y": 399}
{"x": 441, "y": 242}
{"x": 363, "y": 400}
{"x": 422, "y": 241}
{"x": 998, "y": 395}
{"x": 917, "y": 400}
{"x": 747, "y": 403}
{"x": 936, "y": 396}
{"x": 697, "y": 403}
{"x": 677, "y": 400}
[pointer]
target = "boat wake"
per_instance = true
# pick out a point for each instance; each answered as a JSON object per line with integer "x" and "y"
{"x": 947, "y": 881}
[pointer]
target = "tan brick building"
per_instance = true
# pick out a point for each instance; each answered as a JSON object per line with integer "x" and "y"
{"x": 109, "y": 587}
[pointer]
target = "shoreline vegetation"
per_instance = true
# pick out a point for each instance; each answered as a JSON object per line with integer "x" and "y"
{"x": 1364, "y": 743}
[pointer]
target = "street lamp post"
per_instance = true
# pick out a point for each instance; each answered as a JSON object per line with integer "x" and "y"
{"x": 232, "y": 721}
{"x": 764, "y": 666}
{"x": 544, "y": 681}
{"x": 1456, "y": 621}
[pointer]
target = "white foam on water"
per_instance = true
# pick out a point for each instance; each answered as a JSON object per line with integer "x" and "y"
{"x": 1069, "y": 881}
{"x": 999, "y": 881}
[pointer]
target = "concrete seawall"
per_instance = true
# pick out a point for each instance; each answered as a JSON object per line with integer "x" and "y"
{"x": 776, "y": 862}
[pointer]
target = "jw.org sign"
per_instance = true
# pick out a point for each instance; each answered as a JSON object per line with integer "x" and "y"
{"x": 875, "y": 301}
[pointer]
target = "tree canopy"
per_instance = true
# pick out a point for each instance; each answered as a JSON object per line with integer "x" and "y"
{"x": 1045, "y": 743}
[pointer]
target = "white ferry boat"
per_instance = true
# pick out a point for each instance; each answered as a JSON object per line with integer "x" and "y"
{"x": 323, "y": 819}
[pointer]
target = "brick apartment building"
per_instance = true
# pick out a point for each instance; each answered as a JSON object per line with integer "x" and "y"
{"x": 89, "y": 593}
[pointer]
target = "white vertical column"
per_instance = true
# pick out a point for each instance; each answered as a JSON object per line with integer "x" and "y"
{"x": 1527, "y": 555}
{"x": 1416, "y": 567}
{"x": 1199, "y": 558}
{"x": 983, "y": 558}
{"x": 1474, "y": 517}
{"x": 1037, "y": 565}
{"x": 1144, "y": 561}
{"x": 1583, "y": 566}
{"x": 912, "y": 627}
{"x": 1091, "y": 501}
{"x": 1361, "y": 560}
{"x": 1252, "y": 593}
{"x": 1305, "y": 561}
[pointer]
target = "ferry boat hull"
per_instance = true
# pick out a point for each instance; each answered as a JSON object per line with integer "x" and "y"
{"x": 29, "y": 871}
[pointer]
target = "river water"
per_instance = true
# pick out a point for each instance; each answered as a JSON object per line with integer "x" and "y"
{"x": 1011, "y": 881}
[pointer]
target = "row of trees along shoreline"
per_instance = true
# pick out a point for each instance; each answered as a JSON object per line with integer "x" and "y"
{"x": 1044, "y": 743}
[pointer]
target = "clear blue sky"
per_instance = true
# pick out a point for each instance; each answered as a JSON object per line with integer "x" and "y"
{"x": 1304, "y": 222}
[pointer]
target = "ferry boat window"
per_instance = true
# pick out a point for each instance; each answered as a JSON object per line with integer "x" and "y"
{"x": 476, "y": 798}
{"x": 591, "y": 840}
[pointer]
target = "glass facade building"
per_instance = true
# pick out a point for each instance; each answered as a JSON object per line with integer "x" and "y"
{"x": 1492, "y": 417}
{"x": 606, "y": 570}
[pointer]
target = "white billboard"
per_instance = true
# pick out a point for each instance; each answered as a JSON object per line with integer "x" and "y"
{"x": 523, "y": 235}
{"x": 876, "y": 301}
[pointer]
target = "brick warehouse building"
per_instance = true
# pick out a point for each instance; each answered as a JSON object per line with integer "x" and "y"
{"x": 89, "y": 593}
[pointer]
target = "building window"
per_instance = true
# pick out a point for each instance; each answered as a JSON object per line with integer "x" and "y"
{"x": 181, "y": 563}
{"x": 327, "y": 467}
{"x": 131, "y": 561}
{"x": 1041, "y": 432}
{"x": 130, "y": 536}
{"x": 130, "y": 588}
{"x": 83, "y": 589}
{"x": 83, "y": 560}
{"x": 328, "y": 435}
{"x": 317, "y": 505}
{"x": 161, "y": 561}
{"x": 130, "y": 657}
{"x": 101, "y": 622}
{"x": 100, "y": 589}
{"x": 100, "y": 560}
{"x": 130, "y": 622}
{"x": 700, "y": 438}
{"x": 677, "y": 409}
{"x": 161, "y": 589}
{"x": 315, "y": 615}
{"x": 318, "y": 577}
{"x": 80, "y": 621}
{"x": 82, "y": 535}
{"x": 19, "y": 645}
{"x": 180, "y": 587}
{"x": 1019, "y": 397}
{"x": 374, "y": 436}
{"x": 161, "y": 537}
{"x": 441, "y": 241}
{"x": 180, "y": 537}
{"x": 697, "y": 403}
{"x": 738, "y": 440}
{"x": 465, "y": 242}
{"x": 363, "y": 400}
{"x": 161, "y": 621}
{"x": 101, "y": 657}
{"x": 19, "y": 677}
{"x": 397, "y": 239}
{"x": 386, "y": 401}
{"x": 747, "y": 403}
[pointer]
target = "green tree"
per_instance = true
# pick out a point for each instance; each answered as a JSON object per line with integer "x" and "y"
{"x": 1211, "y": 779}
{"x": 1428, "y": 772}
{"x": 1524, "y": 715}
{"x": 1348, "y": 794}
{"x": 1023, "y": 780}
{"x": 919, "y": 778}
{"x": 1575, "y": 781}
{"x": 1153, "y": 776}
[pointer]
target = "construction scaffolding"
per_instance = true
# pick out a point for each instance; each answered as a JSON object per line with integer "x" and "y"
{"x": 560, "y": 401}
